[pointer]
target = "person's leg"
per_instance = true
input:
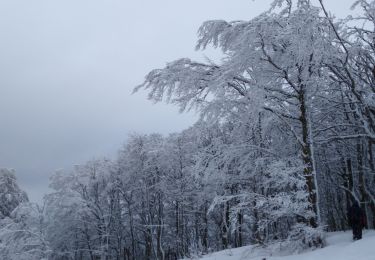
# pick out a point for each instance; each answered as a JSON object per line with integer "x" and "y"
{"x": 355, "y": 232}
{"x": 359, "y": 232}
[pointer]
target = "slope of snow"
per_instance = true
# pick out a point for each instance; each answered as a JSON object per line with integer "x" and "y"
{"x": 340, "y": 247}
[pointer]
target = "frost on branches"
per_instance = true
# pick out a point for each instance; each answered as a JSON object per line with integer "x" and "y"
{"x": 284, "y": 145}
{"x": 290, "y": 103}
{"x": 272, "y": 70}
{"x": 10, "y": 194}
{"x": 21, "y": 222}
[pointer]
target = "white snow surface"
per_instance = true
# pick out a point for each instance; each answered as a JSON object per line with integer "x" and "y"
{"x": 339, "y": 247}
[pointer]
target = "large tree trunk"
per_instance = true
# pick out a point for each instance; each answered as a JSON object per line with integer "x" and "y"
{"x": 131, "y": 230}
{"x": 308, "y": 171}
{"x": 159, "y": 229}
{"x": 372, "y": 168}
{"x": 148, "y": 244}
{"x": 239, "y": 238}
{"x": 361, "y": 178}
{"x": 205, "y": 229}
{"x": 177, "y": 226}
{"x": 225, "y": 226}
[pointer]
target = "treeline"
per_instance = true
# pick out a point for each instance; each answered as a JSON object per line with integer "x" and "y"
{"x": 164, "y": 198}
{"x": 284, "y": 145}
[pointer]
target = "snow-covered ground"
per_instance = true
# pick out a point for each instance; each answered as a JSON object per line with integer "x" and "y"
{"x": 340, "y": 247}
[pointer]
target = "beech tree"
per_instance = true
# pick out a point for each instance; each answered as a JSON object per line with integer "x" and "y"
{"x": 275, "y": 59}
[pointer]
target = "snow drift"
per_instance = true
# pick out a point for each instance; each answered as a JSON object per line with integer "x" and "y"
{"x": 339, "y": 247}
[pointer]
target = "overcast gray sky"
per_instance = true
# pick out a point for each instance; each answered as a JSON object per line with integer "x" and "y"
{"x": 67, "y": 69}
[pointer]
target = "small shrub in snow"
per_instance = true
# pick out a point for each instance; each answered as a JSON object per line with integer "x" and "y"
{"x": 303, "y": 237}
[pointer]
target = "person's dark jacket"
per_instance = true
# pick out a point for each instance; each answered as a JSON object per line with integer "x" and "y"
{"x": 356, "y": 216}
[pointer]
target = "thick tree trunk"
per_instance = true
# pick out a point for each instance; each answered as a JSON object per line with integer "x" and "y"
{"x": 362, "y": 189}
{"x": 372, "y": 168}
{"x": 148, "y": 244}
{"x": 225, "y": 227}
{"x": 159, "y": 232}
{"x": 177, "y": 226}
{"x": 308, "y": 171}
{"x": 239, "y": 230}
{"x": 205, "y": 229}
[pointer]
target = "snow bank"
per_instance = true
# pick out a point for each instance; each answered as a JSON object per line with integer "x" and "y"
{"x": 340, "y": 247}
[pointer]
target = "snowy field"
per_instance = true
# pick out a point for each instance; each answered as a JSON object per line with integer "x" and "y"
{"x": 340, "y": 247}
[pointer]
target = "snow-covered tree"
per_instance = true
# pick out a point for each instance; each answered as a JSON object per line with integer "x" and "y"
{"x": 22, "y": 234}
{"x": 273, "y": 64}
{"x": 10, "y": 193}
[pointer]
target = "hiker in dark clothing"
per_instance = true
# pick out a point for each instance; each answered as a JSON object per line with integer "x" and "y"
{"x": 356, "y": 219}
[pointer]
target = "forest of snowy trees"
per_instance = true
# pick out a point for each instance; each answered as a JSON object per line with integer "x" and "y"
{"x": 284, "y": 145}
